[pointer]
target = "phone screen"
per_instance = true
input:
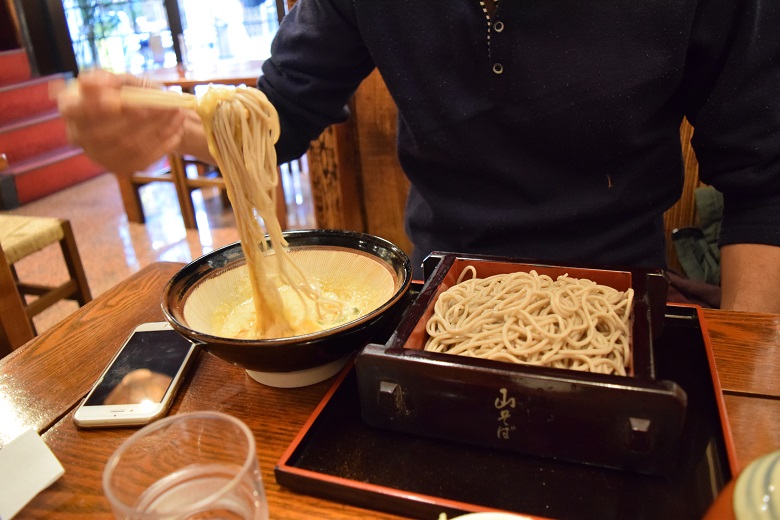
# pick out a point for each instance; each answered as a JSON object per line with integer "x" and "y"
{"x": 144, "y": 369}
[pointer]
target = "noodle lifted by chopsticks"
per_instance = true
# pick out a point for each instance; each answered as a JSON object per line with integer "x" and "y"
{"x": 242, "y": 127}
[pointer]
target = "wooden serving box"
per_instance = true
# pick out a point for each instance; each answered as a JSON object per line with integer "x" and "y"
{"x": 629, "y": 422}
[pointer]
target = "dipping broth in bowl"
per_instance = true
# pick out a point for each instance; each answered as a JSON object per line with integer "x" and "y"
{"x": 360, "y": 280}
{"x": 350, "y": 286}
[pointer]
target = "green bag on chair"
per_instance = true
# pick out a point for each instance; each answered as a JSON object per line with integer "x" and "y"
{"x": 697, "y": 247}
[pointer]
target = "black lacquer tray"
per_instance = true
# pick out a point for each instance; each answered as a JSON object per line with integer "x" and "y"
{"x": 630, "y": 422}
{"x": 337, "y": 456}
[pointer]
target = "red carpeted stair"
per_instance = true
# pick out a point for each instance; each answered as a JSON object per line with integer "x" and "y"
{"x": 32, "y": 137}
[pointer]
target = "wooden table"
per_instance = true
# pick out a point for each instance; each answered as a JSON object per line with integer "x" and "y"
{"x": 42, "y": 382}
{"x": 218, "y": 72}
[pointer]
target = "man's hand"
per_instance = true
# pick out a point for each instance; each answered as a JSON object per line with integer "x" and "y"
{"x": 750, "y": 278}
{"x": 124, "y": 139}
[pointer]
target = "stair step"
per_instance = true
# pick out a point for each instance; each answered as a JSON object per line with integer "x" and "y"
{"x": 14, "y": 66}
{"x": 24, "y": 138}
{"x": 27, "y": 98}
{"x": 33, "y": 138}
{"x": 45, "y": 174}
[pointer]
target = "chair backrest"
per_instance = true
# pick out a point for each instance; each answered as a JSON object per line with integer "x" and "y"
{"x": 683, "y": 213}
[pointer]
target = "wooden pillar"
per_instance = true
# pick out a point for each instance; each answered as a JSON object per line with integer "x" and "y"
{"x": 333, "y": 173}
{"x": 357, "y": 181}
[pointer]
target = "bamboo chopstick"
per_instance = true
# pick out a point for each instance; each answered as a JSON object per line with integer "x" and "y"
{"x": 140, "y": 96}
{"x": 158, "y": 98}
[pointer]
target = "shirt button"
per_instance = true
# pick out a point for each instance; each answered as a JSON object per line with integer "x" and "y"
{"x": 498, "y": 68}
{"x": 498, "y": 26}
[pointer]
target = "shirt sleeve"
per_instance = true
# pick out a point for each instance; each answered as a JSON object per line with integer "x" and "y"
{"x": 317, "y": 61}
{"x": 733, "y": 101}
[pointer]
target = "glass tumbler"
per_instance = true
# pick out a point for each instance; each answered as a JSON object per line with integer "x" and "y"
{"x": 188, "y": 466}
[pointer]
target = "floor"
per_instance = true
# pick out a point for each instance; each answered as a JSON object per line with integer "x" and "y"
{"x": 112, "y": 248}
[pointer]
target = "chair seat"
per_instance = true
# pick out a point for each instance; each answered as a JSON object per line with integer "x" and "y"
{"x": 21, "y": 236}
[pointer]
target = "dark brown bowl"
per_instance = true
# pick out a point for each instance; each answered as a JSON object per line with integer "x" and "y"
{"x": 298, "y": 360}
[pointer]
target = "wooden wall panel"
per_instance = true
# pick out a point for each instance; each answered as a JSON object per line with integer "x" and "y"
{"x": 384, "y": 185}
{"x": 333, "y": 172}
{"x": 357, "y": 181}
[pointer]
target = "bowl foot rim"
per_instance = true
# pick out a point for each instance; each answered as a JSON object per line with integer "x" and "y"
{"x": 300, "y": 378}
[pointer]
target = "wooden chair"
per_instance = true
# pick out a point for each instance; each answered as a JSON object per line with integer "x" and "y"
{"x": 187, "y": 174}
{"x": 171, "y": 169}
{"x": 130, "y": 188}
{"x": 21, "y": 236}
{"x": 683, "y": 213}
{"x": 191, "y": 174}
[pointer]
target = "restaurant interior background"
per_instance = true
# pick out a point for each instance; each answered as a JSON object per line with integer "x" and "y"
{"x": 340, "y": 163}
{"x": 344, "y": 194}
{"x": 135, "y": 35}
{"x": 749, "y": 382}
{"x": 138, "y": 35}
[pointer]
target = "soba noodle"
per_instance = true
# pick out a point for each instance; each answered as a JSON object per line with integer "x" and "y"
{"x": 242, "y": 127}
{"x": 527, "y": 318}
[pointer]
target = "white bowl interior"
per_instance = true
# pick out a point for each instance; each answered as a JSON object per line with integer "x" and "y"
{"x": 361, "y": 279}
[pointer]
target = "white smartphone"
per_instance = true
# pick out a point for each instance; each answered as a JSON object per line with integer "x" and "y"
{"x": 140, "y": 383}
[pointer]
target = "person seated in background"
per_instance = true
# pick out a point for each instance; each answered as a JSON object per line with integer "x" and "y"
{"x": 538, "y": 130}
